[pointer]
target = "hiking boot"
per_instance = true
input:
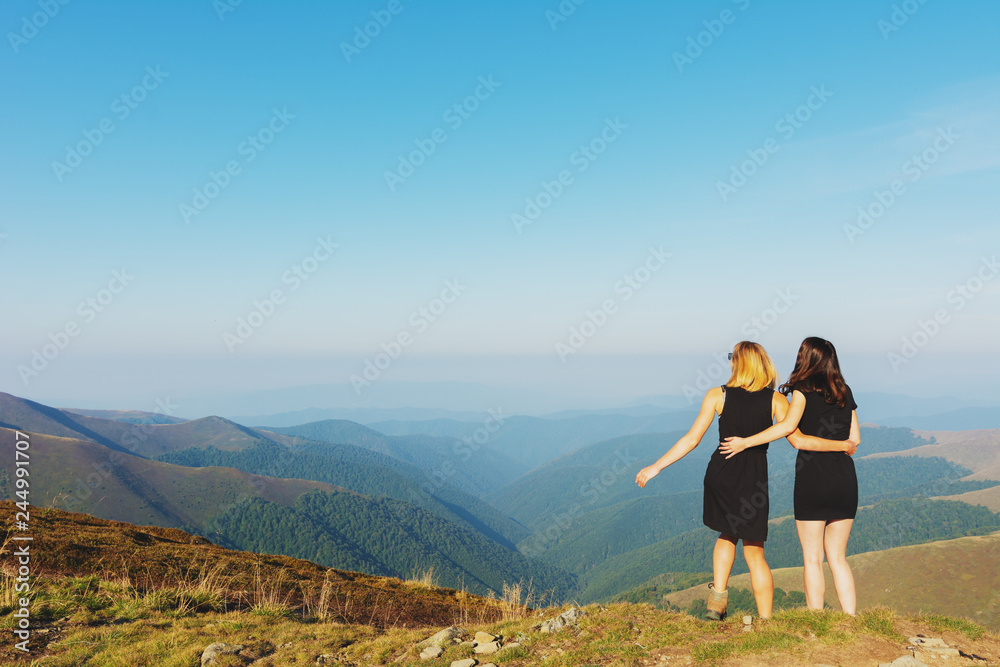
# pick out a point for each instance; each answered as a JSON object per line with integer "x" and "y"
{"x": 717, "y": 603}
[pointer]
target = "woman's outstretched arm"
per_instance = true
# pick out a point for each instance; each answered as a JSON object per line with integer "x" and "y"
{"x": 733, "y": 446}
{"x": 709, "y": 406}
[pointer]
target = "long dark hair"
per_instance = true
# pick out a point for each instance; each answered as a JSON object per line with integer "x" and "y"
{"x": 818, "y": 369}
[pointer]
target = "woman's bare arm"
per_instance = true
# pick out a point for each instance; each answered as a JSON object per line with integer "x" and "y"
{"x": 690, "y": 440}
{"x": 813, "y": 443}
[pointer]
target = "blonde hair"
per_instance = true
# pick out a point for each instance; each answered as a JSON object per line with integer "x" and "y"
{"x": 752, "y": 368}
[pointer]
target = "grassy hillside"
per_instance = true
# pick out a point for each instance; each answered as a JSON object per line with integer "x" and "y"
{"x": 476, "y": 470}
{"x": 88, "y": 477}
{"x": 987, "y": 498}
{"x": 148, "y": 440}
{"x": 208, "y": 576}
{"x": 885, "y": 525}
{"x": 955, "y": 577}
{"x": 952, "y": 420}
{"x": 164, "y": 596}
{"x": 978, "y": 451}
{"x": 20, "y": 413}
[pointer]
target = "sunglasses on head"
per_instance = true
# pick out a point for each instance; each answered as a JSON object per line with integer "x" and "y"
{"x": 730, "y": 356}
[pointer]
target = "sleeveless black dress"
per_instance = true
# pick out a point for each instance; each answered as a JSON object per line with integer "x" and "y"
{"x": 736, "y": 500}
{"x": 826, "y": 485}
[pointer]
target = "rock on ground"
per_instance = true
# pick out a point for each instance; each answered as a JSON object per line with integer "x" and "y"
{"x": 444, "y": 637}
{"x": 904, "y": 661}
{"x": 563, "y": 620}
{"x": 488, "y": 647}
{"x": 431, "y": 652}
{"x": 213, "y": 651}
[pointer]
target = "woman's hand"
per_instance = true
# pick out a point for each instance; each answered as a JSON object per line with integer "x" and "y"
{"x": 732, "y": 446}
{"x": 646, "y": 474}
{"x": 851, "y": 447}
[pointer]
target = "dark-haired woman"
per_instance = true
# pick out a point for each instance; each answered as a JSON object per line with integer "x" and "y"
{"x": 826, "y": 486}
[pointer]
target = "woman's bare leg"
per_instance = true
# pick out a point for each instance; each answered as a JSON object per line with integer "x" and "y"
{"x": 811, "y": 535}
{"x": 835, "y": 543}
{"x": 760, "y": 577}
{"x": 722, "y": 560}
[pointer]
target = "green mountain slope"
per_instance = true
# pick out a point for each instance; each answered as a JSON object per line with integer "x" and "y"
{"x": 585, "y": 541}
{"x": 385, "y": 537}
{"x": 599, "y": 475}
{"x": 364, "y": 471}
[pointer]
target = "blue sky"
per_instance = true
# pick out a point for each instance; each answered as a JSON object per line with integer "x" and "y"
{"x": 929, "y": 88}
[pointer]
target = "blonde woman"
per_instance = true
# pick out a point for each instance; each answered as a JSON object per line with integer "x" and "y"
{"x": 736, "y": 492}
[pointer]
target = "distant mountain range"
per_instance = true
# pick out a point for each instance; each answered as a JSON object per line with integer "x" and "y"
{"x": 552, "y": 500}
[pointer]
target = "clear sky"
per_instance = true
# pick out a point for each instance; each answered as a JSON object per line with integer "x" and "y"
{"x": 508, "y": 167}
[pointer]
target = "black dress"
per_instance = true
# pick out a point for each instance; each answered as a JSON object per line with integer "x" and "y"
{"x": 736, "y": 500}
{"x": 826, "y": 485}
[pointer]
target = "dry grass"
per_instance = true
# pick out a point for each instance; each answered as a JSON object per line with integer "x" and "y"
{"x": 186, "y": 575}
{"x": 423, "y": 578}
{"x": 618, "y": 634}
